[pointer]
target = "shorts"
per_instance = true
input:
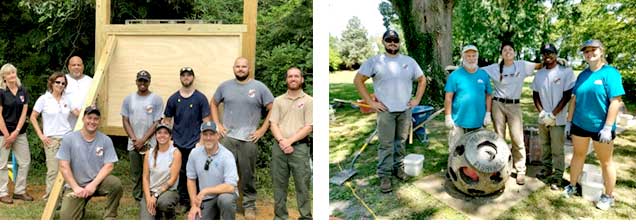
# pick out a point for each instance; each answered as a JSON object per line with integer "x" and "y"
{"x": 578, "y": 131}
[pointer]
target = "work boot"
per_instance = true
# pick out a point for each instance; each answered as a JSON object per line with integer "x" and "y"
{"x": 385, "y": 184}
{"x": 521, "y": 179}
{"x": 24, "y": 197}
{"x": 544, "y": 174}
{"x": 400, "y": 174}
{"x": 6, "y": 199}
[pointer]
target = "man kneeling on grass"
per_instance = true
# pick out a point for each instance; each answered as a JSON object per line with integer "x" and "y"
{"x": 86, "y": 158}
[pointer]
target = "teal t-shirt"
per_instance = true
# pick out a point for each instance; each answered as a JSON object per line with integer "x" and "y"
{"x": 469, "y": 100}
{"x": 593, "y": 91}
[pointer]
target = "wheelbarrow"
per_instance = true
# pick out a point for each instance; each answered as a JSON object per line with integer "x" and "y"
{"x": 346, "y": 174}
{"x": 421, "y": 115}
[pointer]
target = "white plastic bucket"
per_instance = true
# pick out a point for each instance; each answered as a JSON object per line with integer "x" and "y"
{"x": 413, "y": 164}
{"x": 591, "y": 182}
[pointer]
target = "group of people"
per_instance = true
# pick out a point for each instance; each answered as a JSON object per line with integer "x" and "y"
{"x": 185, "y": 155}
{"x": 594, "y": 98}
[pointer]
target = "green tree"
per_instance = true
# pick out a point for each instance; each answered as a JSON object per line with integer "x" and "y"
{"x": 334, "y": 57}
{"x": 354, "y": 45}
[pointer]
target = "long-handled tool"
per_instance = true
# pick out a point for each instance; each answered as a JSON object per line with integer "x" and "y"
{"x": 420, "y": 125}
{"x": 346, "y": 174}
{"x": 339, "y": 102}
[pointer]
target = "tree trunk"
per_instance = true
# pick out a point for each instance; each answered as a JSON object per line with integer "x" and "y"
{"x": 428, "y": 36}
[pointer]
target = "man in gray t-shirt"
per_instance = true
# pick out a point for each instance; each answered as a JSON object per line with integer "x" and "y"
{"x": 86, "y": 158}
{"x": 393, "y": 75}
{"x": 212, "y": 166}
{"x": 140, "y": 114}
{"x": 244, "y": 99}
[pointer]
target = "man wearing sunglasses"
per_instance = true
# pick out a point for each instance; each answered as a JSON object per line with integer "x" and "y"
{"x": 212, "y": 166}
{"x": 244, "y": 100}
{"x": 393, "y": 75}
{"x": 77, "y": 86}
{"x": 140, "y": 114}
{"x": 188, "y": 108}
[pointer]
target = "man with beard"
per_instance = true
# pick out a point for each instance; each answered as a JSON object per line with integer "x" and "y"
{"x": 244, "y": 99}
{"x": 467, "y": 100}
{"x": 552, "y": 90}
{"x": 187, "y": 109}
{"x": 393, "y": 75}
{"x": 291, "y": 123}
{"x": 77, "y": 87}
{"x": 140, "y": 114}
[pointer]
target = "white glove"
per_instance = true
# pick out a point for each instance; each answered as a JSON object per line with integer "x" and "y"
{"x": 605, "y": 136}
{"x": 487, "y": 119}
{"x": 568, "y": 125}
{"x": 449, "y": 121}
{"x": 542, "y": 115}
{"x": 549, "y": 119}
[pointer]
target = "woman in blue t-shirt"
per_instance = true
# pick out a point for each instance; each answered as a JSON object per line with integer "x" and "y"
{"x": 597, "y": 98}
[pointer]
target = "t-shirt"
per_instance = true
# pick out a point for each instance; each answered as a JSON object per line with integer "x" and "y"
{"x": 54, "y": 114}
{"x": 509, "y": 84}
{"x": 77, "y": 90}
{"x": 187, "y": 115}
{"x": 469, "y": 99}
{"x": 550, "y": 84}
{"x": 242, "y": 106}
{"x": 12, "y": 106}
{"x": 593, "y": 91}
{"x": 221, "y": 169}
{"x": 160, "y": 174}
{"x": 292, "y": 114}
{"x": 86, "y": 158}
{"x": 392, "y": 79}
{"x": 142, "y": 112}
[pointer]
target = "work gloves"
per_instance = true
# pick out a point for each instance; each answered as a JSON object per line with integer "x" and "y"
{"x": 547, "y": 118}
{"x": 605, "y": 136}
{"x": 487, "y": 119}
{"x": 449, "y": 121}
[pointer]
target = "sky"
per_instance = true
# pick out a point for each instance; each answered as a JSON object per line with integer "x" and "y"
{"x": 340, "y": 11}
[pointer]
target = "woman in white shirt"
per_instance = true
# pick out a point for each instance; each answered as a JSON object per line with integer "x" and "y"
{"x": 55, "y": 108}
{"x": 159, "y": 181}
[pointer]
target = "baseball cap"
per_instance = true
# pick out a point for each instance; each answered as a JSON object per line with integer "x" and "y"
{"x": 591, "y": 43}
{"x": 143, "y": 75}
{"x": 469, "y": 48}
{"x": 548, "y": 48}
{"x": 391, "y": 34}
{"x": 92, "y": 110}
{"x": 160, "y": 126}
{"x": 208, "y": 126}
{"x": 186, "y": 69}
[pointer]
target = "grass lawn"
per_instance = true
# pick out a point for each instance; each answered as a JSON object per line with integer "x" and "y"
{"x": 129, "y": 208}
{"x": 361, "y": 197}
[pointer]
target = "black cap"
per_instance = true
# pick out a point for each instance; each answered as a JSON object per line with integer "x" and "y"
{"x": 549, "y": 48}
{"x": 92, "y": 110}
{"x": 390, "y": 33}
{"x": 507, "y": 43}
{"x": 186, "y": 69}
{"x": 160, "y": 126}
{"x": 143, "y": 75}
{"x": 211, "y": 126}
{"x": 591, "y": 43}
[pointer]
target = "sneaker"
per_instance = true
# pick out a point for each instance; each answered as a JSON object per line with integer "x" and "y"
{"x": 24, "y": 197}
{"x": 250, "y": 214}
{"x": 400, "y": 174}
{"x": 569, "y": 191}
{"x": 385, "y": 184}
{"x": 521, "y": 179}
{"x": 605, "y": 202}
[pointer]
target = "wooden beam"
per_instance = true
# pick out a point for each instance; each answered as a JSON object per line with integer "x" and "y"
{"x": 102, "y": 18}
{"x": 102, "y": 65}
{"x": 250, "y": 9}
{"x": 175, "y": 29}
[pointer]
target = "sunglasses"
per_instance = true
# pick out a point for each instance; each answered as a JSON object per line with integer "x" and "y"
{"x": 60, "y": 83}
{"x": 206, "y": 167}
{"x": 185, "y": 69}
{"x": 392, "y": 40}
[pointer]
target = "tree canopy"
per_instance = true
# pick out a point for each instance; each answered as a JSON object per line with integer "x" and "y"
{"x": 354, "y": 46}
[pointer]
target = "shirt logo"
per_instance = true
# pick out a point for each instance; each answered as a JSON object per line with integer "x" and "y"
{"x": 149, "y": 109}
{"x": 405, "y": 66}
{"x": 598, "y": 82}
{"x": 300, "y": 105}
{"x": 251, "y": 93}
{"x": 557, "y": 80}
{"x": 480, "y": 81}
{"x": 22, "y": 98}
{"x": 99, "y": 151}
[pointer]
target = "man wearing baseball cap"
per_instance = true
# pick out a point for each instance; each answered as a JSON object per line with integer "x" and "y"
{"x": 140, "y": 114}
{"x": 212, "y": 166}
{"x": 467, "y": 102}
{"x": 86, "y": 159}
{"x": 393, "y": 75}
{"x": 187, "y": 109}
{"x": 551, "y": 92}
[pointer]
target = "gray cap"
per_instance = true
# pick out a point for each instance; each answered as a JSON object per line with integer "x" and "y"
{"x": 211, "y": 126}
{"x": 591, "y": 43}
{"x": 92, "y": 110}
{"x": 160, "y": 126}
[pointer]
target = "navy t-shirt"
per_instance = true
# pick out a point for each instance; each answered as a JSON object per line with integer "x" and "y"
{"x": 187, "y": 115}
{"x": 12, "y": 106}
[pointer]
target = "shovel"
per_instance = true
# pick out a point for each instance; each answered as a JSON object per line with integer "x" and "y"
{"x": 346, "y": 174}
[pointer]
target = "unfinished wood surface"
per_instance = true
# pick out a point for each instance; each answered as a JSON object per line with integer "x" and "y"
{"x": 175, "y": 29}
{"x": 250, "y": 8}
{"x": 211, "y": 58}
{"x": 102, "y": 19}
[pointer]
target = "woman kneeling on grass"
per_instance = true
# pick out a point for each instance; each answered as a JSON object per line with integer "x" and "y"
{"x": 160, "y": 175}
{"x": 597, "y": 97}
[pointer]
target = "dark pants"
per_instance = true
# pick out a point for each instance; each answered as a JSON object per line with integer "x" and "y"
{"x": 393, "y": 130}
{"x": 136, "y": 170}
{"x": 182, "y": 188}
{"x": 222, "y": 207}
{"x": 296, "y": 164}
{"x": 73, "y": 207}
{"x": 164, "y": 209}
{"x": 245, "y": 154}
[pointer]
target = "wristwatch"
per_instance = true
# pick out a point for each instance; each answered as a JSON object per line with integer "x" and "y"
{"x": 156, "y": 194}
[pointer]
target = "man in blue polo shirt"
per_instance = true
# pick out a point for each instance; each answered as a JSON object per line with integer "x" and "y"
{"x": 467, "y": 99}
{"x": 189, "y": 108}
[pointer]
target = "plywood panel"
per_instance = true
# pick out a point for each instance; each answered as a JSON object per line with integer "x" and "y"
{"x": 211, "y": 57}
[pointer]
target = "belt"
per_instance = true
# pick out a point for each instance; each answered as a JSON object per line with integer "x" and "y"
{"x": 510, "y": 101}
{"x": 302, "y": 141}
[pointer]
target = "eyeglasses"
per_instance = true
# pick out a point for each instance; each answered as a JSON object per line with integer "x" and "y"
{"x": 392, "y": 40}
{"x": 206, "y": 167}
{"x": 60, "y": 83}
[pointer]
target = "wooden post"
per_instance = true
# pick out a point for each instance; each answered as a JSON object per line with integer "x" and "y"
{"x": 102, "y": 18}
{"x": 249, "y": 38}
